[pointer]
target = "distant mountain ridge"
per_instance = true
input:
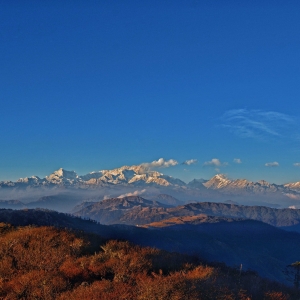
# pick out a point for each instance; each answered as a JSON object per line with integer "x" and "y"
{"x": 137, "y": 175}
{"x": 221, "y": 182}
{"x": 128, "y": 210}
{"x": 136, "y": 180}
{"x": 13, "y": 204}
{"x": 190, "y": 220}
{"x": 135, "y": 210}
{"x": 126, "y": 175}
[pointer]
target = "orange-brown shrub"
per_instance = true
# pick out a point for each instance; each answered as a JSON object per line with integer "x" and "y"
{"x": 276, "y": 296}
{"x": 48, "y": 263}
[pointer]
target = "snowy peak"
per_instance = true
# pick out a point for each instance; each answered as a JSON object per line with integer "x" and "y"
{"x": 264, "y": 183}
{"x": 139, "y": 176}
{"x": 217, "y": 182}
{"x": 125, "y": 175}
{"x": 293, "y": 185}
{"x": 221, "y": 182}
{"x": 62, "y": 176}
{"x": 130, "y": 175}
{"x": 92, "y": 176}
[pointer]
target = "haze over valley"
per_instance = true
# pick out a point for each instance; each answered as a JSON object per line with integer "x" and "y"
{"x": 62, "y": 189}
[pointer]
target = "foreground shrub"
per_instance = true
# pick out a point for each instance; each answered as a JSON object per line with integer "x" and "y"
{"x": 49, "y": 263}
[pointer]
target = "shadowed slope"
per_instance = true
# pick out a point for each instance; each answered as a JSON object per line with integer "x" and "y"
{"x": 254, "y": 244}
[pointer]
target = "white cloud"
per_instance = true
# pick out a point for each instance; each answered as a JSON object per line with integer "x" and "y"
{"x": 292, "y": 196}
{"x": 190, "y": 162}
{"x": 135, "y": 193}
{"x": 297, "y": 164}
{"x": 258, "y": 124}
{"x": 237, "y": 160}
{"x": 215, "y": 162}
{"x": 272, "y": 164}
{"x": 160, "y": 163}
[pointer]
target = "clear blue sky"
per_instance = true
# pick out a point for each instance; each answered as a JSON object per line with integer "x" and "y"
{"x": 91, "y": 85}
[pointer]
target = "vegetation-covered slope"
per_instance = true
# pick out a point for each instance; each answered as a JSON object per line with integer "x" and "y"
{"x": 256, "y": 245}
{"x": 49, "y": 263}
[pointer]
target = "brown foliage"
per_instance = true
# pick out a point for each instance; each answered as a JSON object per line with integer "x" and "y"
{"x": 42, "y": 248}
{"x": 276, "y": 296}
{"x": 48, "y": 263}
{"x": 104, "y": 290}
{"x": 36, "y": 285}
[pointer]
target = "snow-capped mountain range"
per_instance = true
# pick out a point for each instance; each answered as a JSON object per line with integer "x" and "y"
{"x": 138, "y": 176}
{"x": 221, "y": 182}
{"x": 126, "y": 175}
